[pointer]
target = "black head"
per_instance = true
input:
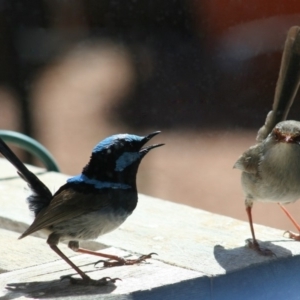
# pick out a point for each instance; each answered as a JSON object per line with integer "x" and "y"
{"x": 117, "y": 158}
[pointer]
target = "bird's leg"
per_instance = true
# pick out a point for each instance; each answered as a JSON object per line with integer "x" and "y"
{"x": 254, "y": 244}
{"x": 291, "y": 234}
{"x": 118, "y": 261}
{"x": 52, "y": 241}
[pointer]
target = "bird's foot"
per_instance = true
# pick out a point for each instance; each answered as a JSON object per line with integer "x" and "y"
{"x": 260, "y": 250}
{"x": 123, "y": 262}
{"x": 88, "y": 281}
{"x": 292, "y": 235}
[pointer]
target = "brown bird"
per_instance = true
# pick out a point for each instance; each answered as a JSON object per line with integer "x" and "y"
{"x": 271, "y": 168}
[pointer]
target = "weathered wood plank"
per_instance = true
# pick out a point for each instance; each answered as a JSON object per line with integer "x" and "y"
{"x": 31, "y": 269}
{"x": 151, "y": 280}
{"x": 195, "y": 239}
{"x": 181, "y": 235}
{"x": 201, "y": 255}
{"x": 14, "y": 212}
{"x": 9, "y": 171}
{"x": 30, "y": 251}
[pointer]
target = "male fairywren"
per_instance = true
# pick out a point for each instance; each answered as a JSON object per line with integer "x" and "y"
{"x": 90, "y": 204}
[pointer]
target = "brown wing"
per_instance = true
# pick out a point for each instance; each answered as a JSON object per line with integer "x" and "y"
{"x": 249, "y": 160}
{"x": 66, "y": 205}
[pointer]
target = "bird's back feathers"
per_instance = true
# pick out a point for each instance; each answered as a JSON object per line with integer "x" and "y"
{"x": 73, "y": 200}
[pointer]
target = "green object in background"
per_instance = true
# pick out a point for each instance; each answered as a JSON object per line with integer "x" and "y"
{"x": 32, "y": 146}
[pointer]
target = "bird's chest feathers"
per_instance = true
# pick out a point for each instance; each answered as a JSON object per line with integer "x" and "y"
{"x": 281, "y": 165}
{"x": 282, "y": 159}
{"x": 102, "y": 206}
{"x": 91, "y": 225}
{"x": 102, "y": 222}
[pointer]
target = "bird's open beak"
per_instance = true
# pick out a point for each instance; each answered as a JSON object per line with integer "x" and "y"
{"x": 148, "y": 138}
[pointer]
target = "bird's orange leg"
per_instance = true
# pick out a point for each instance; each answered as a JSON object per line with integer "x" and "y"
{"x": 118, "y": 261}
{"x": 291, "y": 235}
{"x": 254, "y": 244}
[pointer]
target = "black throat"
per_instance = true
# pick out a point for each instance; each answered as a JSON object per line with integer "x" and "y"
{"x": 103, "y": 169}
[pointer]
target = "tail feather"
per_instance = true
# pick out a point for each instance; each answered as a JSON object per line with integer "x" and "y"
{"x": 41, "y": 196}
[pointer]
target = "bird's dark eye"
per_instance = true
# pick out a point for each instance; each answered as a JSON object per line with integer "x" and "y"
{"x": 277, "y": 135}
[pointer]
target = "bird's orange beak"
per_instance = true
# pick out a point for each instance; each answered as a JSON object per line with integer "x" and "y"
{"x": 288, "y": 139}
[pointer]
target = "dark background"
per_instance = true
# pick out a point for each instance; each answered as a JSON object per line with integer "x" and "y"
{"x": 203, "y": 72}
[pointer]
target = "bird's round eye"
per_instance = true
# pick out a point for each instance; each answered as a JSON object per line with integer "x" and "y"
{"x": 276, "y": 133}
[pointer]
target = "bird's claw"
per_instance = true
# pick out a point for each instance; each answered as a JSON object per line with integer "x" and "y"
{"x": 122, "y": 262}
{"x": 99, "y": 261}
{"x": 292, "y": 235}
{"x": 260, "y": 250}
{"x": 88, "y": 281}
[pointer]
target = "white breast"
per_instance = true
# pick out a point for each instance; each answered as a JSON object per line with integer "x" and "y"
{"x": 280, "y": 173}
{"x": 91, "y": 225}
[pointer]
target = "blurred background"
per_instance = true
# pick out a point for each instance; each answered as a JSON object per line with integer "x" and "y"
{"x": 202, "y": 72}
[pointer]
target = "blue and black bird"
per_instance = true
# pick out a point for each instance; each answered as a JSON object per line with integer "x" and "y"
{"x": 90, "y": 204}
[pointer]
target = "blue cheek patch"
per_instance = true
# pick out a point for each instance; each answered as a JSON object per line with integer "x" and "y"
{"x": 96, "y": 183}
{"x": 126, "y": 159}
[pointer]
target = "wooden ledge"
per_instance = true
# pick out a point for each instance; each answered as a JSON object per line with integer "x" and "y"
{"x": 200, "y": 255}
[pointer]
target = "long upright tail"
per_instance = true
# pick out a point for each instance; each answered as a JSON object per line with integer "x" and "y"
{"x": 41, "y": 195}
{"x": 287, "y": 84}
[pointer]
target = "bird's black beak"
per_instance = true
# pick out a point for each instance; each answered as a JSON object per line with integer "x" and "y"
{"x": 148, "y": 138}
